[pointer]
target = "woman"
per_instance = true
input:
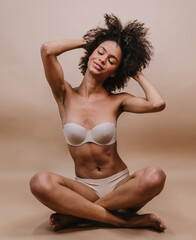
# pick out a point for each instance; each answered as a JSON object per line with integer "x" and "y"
{"x": 89, "y": 113}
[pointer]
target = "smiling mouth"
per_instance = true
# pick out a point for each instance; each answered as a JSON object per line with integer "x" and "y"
{"x": 97, "y": 66}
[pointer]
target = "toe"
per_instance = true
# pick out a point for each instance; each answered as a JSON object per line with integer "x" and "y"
{"x": 157, "y": 222}
{"x": 160, "y": 225}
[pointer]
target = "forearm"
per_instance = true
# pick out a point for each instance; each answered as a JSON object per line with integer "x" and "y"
{"x": 152, "y": 94}
{"x": 58, "y": 47}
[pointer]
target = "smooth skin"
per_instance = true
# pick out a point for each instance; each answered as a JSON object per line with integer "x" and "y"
{"x": 88, "y": 105}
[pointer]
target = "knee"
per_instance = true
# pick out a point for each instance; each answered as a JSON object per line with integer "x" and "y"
{"x": 41, "y": 184}
{"x": 153, "y": 180}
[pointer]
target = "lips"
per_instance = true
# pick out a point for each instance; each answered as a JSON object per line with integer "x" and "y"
{"x": 97, "y": 66}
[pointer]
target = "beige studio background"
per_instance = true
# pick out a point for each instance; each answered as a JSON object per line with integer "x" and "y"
{"x": 31, "y": 137}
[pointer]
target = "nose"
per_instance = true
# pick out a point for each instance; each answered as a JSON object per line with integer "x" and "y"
{"x": 102, "y": 59}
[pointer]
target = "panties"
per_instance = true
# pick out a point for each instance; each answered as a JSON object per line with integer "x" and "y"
{"x": 106, "y": 185}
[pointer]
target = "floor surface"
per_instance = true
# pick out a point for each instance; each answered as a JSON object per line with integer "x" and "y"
{"x": 23, "y": 217}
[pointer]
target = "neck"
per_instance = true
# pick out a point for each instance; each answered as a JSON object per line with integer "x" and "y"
{"x": 91, "y": 86}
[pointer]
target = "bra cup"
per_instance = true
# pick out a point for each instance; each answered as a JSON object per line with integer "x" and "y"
{"x": 75, "y": 134}
{"x": 103, "y": 133}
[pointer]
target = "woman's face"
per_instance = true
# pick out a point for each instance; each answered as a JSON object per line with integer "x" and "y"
{"x": 105, "y": 59}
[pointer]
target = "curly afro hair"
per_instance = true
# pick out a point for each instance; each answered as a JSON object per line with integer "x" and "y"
{"x": 136, "y": 49}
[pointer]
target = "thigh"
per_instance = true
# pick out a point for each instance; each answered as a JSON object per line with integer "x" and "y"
{"x": 126, "y": 194}
{"x": 144, "y": 176}
{"x": 56, "y": 181}
{"x": 135, "y": 176}
{"x": 135, "y": 191}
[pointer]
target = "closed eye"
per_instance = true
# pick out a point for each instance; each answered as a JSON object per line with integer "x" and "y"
{"x": 100, "y": 53}
{"x": 110, "y": 62}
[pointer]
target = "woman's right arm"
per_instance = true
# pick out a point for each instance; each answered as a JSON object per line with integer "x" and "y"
{"x": 53, "y": 70}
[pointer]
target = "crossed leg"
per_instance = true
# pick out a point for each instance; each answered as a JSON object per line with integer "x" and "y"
{"x": 73, "y": 200}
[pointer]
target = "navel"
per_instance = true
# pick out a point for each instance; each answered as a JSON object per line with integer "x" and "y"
{"x": 99, "y": 169}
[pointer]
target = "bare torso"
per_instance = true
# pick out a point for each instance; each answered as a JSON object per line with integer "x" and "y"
{"x": 92, "y": 160}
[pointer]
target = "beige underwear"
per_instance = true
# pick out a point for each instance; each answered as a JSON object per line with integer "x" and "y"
{"x": 106, "y": 185}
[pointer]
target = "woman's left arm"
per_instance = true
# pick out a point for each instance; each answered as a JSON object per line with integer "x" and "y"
{"x": 152, "y": 103}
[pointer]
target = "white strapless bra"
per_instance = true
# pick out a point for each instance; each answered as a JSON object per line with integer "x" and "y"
{"x": 101, "y": 134}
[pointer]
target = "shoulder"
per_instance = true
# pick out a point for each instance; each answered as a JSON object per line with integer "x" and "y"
{"x": 119, "y": 100}
{"x": 122, "y": 96}
{"x": 126, "y": 102}
{"x": 67, "y": 86}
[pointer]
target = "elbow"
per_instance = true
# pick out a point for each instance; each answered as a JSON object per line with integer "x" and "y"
{"x": 159, "y": 106}
{"x": 45, "y": 49}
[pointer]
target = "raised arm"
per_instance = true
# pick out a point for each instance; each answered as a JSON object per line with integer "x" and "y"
{"x": 153, "y": 102}
{"x": 53, "y": 70}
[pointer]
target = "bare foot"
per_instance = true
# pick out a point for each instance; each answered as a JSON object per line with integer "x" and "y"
{"x": 59, "y": 221}
{"x": 146, "y": 220}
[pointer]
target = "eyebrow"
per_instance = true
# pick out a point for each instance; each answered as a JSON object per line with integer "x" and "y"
{"x": 111, "y": 55}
